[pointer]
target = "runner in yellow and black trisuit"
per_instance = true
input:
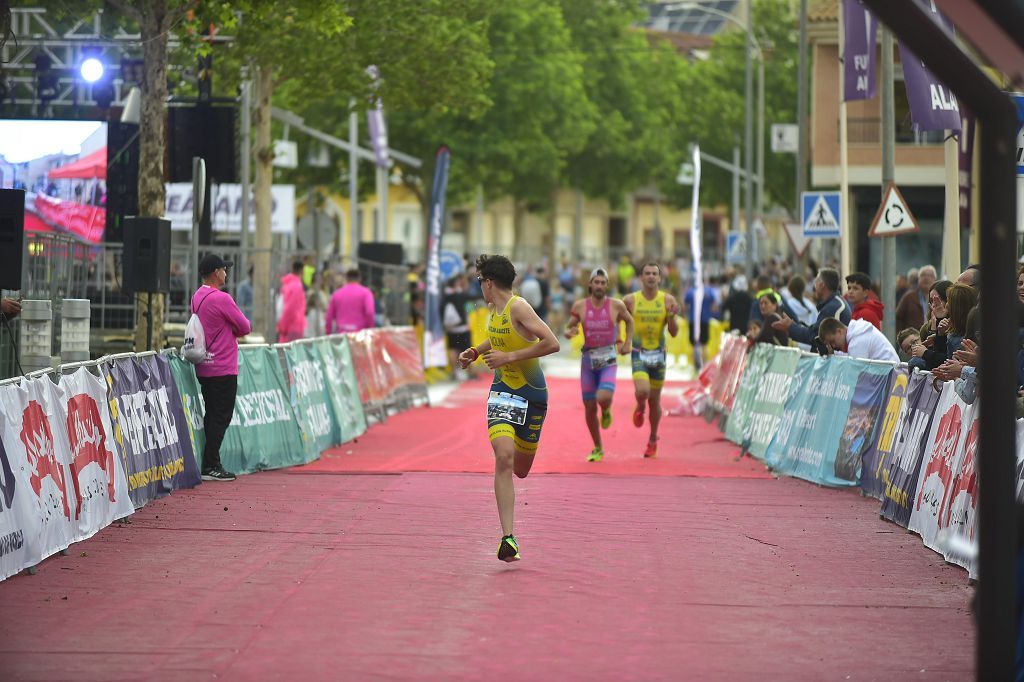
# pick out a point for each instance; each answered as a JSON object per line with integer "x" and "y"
{"x": 652, "y": 312}
{"x": 518, "y": 402}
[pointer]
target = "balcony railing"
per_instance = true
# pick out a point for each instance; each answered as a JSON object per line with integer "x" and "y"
{"x": 869, "y": 131}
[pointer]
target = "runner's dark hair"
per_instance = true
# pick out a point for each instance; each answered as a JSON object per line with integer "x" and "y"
{"x": 498, "y": 269}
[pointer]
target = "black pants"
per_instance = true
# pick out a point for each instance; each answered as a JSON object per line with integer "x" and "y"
{"x": 219, "y": 396}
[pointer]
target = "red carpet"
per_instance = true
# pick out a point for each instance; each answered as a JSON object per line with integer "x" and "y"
{"x": 452, "y": 437}
{"x": 285, "y": 577}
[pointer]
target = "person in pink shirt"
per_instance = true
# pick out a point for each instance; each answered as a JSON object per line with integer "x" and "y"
{"x": 351, "y": 307}
{"x": 223, "y": 323}
{"x": 292, "y": 323}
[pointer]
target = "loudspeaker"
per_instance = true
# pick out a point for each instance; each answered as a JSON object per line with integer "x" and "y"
{"x": 147, "y": 255}
{"x": 390, "y": 253}
{"x": 12, "y": 237}
{"x": 204, "y": 131}
{"x": 122, "y": 177}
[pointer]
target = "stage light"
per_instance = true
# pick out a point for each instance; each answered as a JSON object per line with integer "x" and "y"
{"x": 91, "y": 70}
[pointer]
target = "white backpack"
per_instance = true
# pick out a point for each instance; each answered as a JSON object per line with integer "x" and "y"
{"x": 194, "y": 347}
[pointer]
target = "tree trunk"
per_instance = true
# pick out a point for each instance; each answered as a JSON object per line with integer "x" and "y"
{"x": 152, "y": 135}
{"x": 263, "y": 319}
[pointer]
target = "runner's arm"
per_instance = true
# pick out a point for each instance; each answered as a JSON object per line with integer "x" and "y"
{"x": 624, "y": 316}
{"x": 572, "y": 327}
{"x": 528, "y": 319}
{"x": 672, "y": 309}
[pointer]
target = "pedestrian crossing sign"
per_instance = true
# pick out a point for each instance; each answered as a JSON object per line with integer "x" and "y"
{"x": 820, "y": 213}
{"x": 735, "y": 246}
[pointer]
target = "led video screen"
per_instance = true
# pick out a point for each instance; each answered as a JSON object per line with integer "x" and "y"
{"x": 62, "y": 166}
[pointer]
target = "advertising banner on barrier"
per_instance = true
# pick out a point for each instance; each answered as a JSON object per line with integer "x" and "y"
{"x": 145, "y": 431}
{"x": 828, "y": 421}
{"x": 940, "y": 466}
{"x": 157, "y": 372}
{"x": 264, "y": 433}
{"x": 753, "y": 372}
{"x": 876, "y": 458}
{"x": 730, "y": 359}
{"x": 310, "y": 400}
{"x": 192, "y": 401}
{"x": 36, "y": 442}
{"x": 97, "y": 473}
{"x": 343, "y": 388}
{"x": 20, "y": 509}
{"x": 963, "y": 506}
{"x": 772, "y": 395}
{"x": 911, "y": 432}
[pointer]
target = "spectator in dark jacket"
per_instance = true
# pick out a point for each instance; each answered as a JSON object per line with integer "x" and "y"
{"x": 769, "y": 303}
{"x": 930, "y": 352}
{"x": 738, "y": 304}
{"x": 830, "y": 304}
{"x": 912, "y": 309}
{"x": 866, "y": 305}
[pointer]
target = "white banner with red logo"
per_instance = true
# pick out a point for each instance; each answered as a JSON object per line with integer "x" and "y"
{"x": 61, "y": 481}
{"x": 942, "y": 464}
{"x": 97, "y": 473}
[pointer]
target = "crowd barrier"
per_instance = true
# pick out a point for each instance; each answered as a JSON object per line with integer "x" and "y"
{"x": 843, "y": 422}
{"x": 112, "y": 434}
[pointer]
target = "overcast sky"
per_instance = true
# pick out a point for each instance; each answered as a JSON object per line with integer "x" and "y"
{"x": 26, "y": 140}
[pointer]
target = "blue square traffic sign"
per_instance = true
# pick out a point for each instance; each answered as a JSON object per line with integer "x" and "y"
{"x": 820, "y": 214}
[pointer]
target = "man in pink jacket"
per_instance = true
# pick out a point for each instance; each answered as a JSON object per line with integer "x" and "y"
{"x": 351, "y": 307}
{"x": 292, "y": 323}
{"x": 222, "y": 324}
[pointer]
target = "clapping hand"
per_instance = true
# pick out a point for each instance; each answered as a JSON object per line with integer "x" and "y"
{"x": 784, "y": 324}
{"x": 968, "y": 353}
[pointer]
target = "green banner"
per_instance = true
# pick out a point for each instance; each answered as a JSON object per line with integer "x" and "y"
{"x": 310, "y": 399}
{"x": 192, "y": 400}
{"x": 342, "y": 387}
{"x": 264, "y": 433}
{"x": 770, "y": 398}
{"x": 739, "y": 418}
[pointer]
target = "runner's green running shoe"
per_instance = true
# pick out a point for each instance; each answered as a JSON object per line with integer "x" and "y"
{"x": 508, "y": 550}
{"x": 606, "y": 418}
{"x": 595, "y": 455}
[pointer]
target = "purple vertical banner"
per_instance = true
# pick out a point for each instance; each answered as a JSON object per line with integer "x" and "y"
{"x": 965, "y": 159}
{"x": 376, "y": 124}
{"x": 860, "y": 38}
{"x": 434, "y": 354}
{"x": 933, "y": 106}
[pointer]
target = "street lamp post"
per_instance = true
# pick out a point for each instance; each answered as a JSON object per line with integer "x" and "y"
{"x": 748, "y": 119}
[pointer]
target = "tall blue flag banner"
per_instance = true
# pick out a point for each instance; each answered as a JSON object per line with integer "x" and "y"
{"x": 933, "y": 106}
{"x": 860, "y": 36}
{"x": 911, "y": 433}
{"x": 434, "y": 354}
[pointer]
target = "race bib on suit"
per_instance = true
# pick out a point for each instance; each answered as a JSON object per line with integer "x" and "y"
{"x": 507, "y": 407}
{"x": 602, "y": 357}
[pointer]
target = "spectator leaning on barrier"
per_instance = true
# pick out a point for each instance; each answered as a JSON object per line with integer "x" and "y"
{"x": 830, "y": 305}
{"x": 351, "y": 308}
{"x": 291, "y": 325}
{"x": 912, "y": 309}
{"x": 860, "y": 296}
{"x": 223, "y": 323}
{"x": 931, "y": 352}
{"x": 860, "y": 339}
{"x": 769, "y": 302}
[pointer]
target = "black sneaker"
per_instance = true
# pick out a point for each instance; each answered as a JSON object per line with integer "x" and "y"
{"x": 218, "y": 475}
{"x": 508, "y": 550}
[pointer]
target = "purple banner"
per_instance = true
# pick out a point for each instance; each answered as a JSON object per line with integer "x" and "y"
{"x": 933, "y": 106}
{"x": 434, "y": 354}
{"x": 965, "y": 159}
{"x": 911, "y": 438}
{"x": 860, "y": 37}
{"x": 148, "y": 425}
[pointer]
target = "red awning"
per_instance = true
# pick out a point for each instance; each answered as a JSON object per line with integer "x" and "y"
{"x": 92, "y": 166}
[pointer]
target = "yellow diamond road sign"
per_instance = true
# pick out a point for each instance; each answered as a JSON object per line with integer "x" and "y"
{"x": 894, "y": 216}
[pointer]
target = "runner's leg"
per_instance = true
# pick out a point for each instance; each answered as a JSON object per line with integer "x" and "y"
{"x": 590, "y": 412}
{"x": 523, "y": 463}
{"x": 504, "y": 488}
{"x": 654, "y": 400}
